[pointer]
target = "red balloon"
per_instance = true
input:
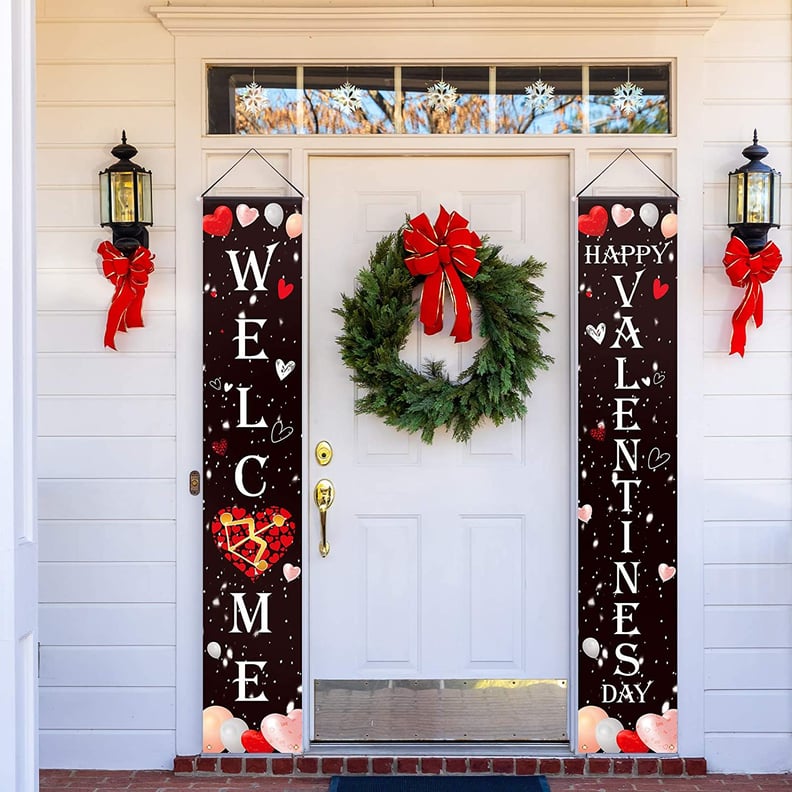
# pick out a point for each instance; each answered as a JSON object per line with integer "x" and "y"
{"x": 253, "y": 742}
{"x": 627, "y": 740}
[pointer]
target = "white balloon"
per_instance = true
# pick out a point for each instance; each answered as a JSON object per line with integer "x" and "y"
{"x": 231, "y": 732}
{"x": 649, "y": 214}
{"x": 273, "y": 214}
{"x": 591, "y": 648}
{"x": 213, "y": 650}
{"x": 605, "y": 731}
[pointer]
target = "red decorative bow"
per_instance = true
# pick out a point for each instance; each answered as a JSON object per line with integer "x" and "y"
{"x": 130, "y": 277}
{"x": 749, "y": 272}
{"x": 438, "y": 252}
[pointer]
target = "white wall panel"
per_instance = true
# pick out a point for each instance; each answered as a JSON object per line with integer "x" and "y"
{"x": 107, "y": 666}
{"x": 763, "y": 457}
{"x": 145, "y": 123}
{"x": 107, "y": 415}
{"x": 106, "y": 708}
{"x": 729, "y": 626}
{"x": 749, "y": 710}
{"x": 107, "y": 624}
{"x": 125, "y": 749}
{"x": 106, "y": 499}
{"x": 66, "y": 82}
{"x": 736, "y": 669}
{"x": 99, "y": 42}
{"x": 720, "y": 295}
{"x": 748, "y": 543}
{"x": 107, "y": 540}
{"x": 111, "y": 373}
{"x": 748, "y": 584}
{"x": 747, "y": 499}
{"x": 747, "y": 415}
{"x": 106, "y": 457}
{"x": 763, "y": 373}
{"x": 730, "y": 753}
{"x": 108, "y": 582}
{"x": 75, "y": 249}
{"x": 775, "y": 334}
{"x": 64, "y": 331}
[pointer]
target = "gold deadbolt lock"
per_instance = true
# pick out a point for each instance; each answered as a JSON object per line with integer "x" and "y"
{"x": 323, "y": 452}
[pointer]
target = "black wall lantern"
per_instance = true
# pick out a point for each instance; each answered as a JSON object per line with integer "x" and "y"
{"x": 125, "y": 199}
{"x": 754, "y": 198}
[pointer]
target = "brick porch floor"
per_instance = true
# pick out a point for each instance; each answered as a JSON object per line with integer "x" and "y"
{"x": 164, "y": 781}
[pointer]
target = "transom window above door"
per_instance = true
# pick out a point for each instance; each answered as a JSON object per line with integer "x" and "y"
{"x": 426, "y": 100}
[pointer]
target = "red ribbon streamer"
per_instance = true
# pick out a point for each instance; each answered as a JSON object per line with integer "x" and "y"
{"x": 438, "y": 251}
{"x": 130, "y": 276}
{"x": 749, "y": 272}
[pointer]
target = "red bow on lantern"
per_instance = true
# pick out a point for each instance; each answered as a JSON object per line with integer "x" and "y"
{"x": 130, "y": 277}
{"x": 749, "y": 272}
{"x": 438, "y": 252}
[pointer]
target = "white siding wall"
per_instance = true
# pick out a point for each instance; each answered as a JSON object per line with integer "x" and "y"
{"x": 107, "y": 419}
{"x": 748, "y": 430}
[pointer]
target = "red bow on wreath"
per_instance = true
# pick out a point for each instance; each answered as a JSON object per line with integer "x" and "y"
{"x": 130, "y": 276}
{"x": 749, "y": 272}
{"x": 438, "y": 252}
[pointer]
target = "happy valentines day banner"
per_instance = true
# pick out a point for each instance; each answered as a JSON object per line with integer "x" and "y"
{"x": 252, "y": 466}
{"x": 627, "y": 481}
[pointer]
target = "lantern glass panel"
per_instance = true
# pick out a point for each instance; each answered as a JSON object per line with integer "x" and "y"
{"x": 758, "y": 208}
{"x": 104, "y": 197}
{"x": 736, "y": 197}
{"x": 775, "y": 207}
{"x": 144, "y": 197}
{"x": 122, "y": 186}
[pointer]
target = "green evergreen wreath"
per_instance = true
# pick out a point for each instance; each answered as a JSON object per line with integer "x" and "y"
{"x": 378, "y": 319}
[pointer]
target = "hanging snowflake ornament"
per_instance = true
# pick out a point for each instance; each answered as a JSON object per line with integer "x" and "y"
{"x": 441, "y": 96}
{"x": 628, "y": 97}
{"x": 540, "y": 94}
{"x": 346, "y": 98}
{"x": 254, "y": 98}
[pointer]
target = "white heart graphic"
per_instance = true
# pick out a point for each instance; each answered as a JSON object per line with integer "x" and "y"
{"x": 246, "y": 215}
{"x": 666, "y": 573}
{"x": 597, "y": 333}
{"x": 227, "y": 386}
{"x": 584, "y": 513}
{"x": 283, "y": 369}
{"x": 656, "y": 459}
{"x": 621, "y": 215}
{"x": 216, "y": 383}
{"x": 291, "y": 572}
{"x": 658, "y": 378}
{"x": 646, "y": 380}
{"x": 284, "y": 734}
{"x": 279, "y": 432}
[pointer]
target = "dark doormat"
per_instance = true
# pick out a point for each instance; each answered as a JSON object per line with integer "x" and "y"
{"x": 412, "y": 783}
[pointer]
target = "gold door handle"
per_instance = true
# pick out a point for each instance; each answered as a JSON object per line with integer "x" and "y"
{"x": 324, "y": 495}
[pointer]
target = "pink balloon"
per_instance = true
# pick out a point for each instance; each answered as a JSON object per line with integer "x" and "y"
{"x": 668, "y": 225}
{"x": 213, "y": 718}
{"x": 294, "y": 225}
{"x": 588, "y": 718}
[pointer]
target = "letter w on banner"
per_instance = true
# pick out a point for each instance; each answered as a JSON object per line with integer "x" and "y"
{"x": 252, "y": 423}
{"x": 627, "y": 479}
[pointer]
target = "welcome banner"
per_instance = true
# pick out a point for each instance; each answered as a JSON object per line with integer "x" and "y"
{"x": 252, "y": 466}
{"x": 627, "y": 477}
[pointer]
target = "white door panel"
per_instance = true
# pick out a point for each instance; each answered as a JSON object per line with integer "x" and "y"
{"x": 449, "y": 560}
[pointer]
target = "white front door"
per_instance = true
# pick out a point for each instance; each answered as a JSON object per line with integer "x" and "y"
{"x": 447, "y": 561}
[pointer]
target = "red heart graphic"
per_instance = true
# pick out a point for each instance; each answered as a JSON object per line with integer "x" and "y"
{"x": 219, "y": 222}
{"x": 253, "y": 544}
{"x": 594, "y": 223}
{"x": 659, "y": 288}
{"x": 254, "y": 742}
{"x": 598, "y": 432}
{"x": 627, "y": 740}
{"x": 284, "y": 289}
{"x": 220, "y": 447}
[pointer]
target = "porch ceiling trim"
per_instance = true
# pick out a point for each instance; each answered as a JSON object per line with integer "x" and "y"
{"x": 309, "y": 18}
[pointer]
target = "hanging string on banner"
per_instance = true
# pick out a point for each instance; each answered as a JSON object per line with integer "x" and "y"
{"x": 615, "y": 160}
{"x": 266, "y": 161}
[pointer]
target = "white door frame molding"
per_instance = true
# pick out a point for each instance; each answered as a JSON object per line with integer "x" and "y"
{"x": 18, "y": 548}
{"x": 306, "y": 33}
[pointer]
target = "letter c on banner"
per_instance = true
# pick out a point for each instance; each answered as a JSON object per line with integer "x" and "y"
{"x": 240, "y": 484}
